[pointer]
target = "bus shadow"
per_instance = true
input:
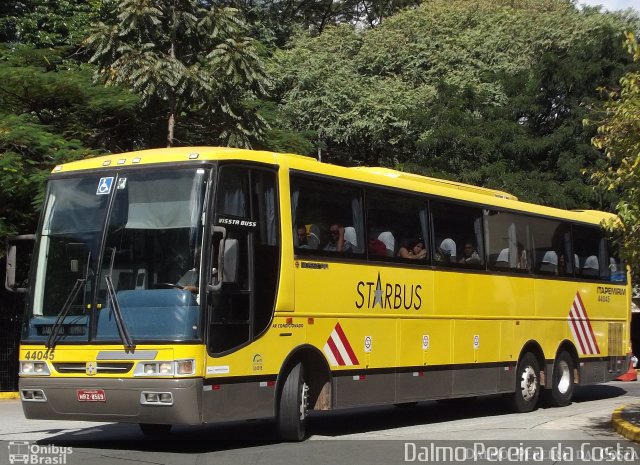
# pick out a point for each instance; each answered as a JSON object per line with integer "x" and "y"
{"x": 333, "y": 424}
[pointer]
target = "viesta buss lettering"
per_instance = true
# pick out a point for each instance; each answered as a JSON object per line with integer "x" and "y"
{"x": 388, "y": 296}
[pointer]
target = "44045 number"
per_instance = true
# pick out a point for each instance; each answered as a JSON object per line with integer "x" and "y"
{"x": 39, "y": 355}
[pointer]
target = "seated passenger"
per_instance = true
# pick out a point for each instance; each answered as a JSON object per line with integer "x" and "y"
{"x": 470, "y": 255}
{"x": 308, "y": 236}
{"x": 377, "y": 248}
{"x": 302, "y": 236}
{"x": 413, "y": 249}
{"x": 389, "y": 242}
{"x": 337, "y": 242}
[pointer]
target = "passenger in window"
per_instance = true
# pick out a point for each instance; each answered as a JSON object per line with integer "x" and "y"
{"x": 377, "y": 248}
{"x": 337, "y": 242}
{"x": 469, "y": 254}
{"x": 386, "y": 237}
{"x": 523, "y": 260}
{"x": 302, "y": 236}
{"x": 413, "y": 249}
{"x": 447, "y": 251}
{"x": 308, "y": 236}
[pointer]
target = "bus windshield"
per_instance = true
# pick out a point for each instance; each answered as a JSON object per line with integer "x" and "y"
{"x": 128, "y": 241}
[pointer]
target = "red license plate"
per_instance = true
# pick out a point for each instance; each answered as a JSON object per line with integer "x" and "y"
{"x": 91, "y": 395}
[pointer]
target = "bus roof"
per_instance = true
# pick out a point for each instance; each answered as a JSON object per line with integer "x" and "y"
{"x": 375, "y": 175}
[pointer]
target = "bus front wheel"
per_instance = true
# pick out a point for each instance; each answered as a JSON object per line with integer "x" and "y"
{"x": 525, "y": 397}
{"x": 562, "y": 381}
{"x": 292, "y": 410}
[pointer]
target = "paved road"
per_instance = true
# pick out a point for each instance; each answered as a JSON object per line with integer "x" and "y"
{"x": 336, "y": 437}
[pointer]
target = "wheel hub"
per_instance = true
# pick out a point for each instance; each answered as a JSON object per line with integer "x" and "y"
{"x": 565, "y": 377}
{"x": 304, "y": 401}
{"x": 529, "y": 383}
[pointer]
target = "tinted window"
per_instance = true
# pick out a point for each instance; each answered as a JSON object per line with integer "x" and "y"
{"x": 590, "y": 249}
{"x": 397, "y": 227}
{"x": 507, "y": 241}
{"x": 551, "y": 247}
{"x": 327, "y": 217}
{"x": 457, "y": 235}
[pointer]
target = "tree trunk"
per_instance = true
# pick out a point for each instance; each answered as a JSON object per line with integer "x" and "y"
{"x": 170, "y": 126}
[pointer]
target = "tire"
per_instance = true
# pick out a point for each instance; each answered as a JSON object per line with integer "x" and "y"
{"x": 562, "y": 385}
{"x": 152, "y": 430}
{"x": 292, "y": 408}
{"x": 527, "y": 392}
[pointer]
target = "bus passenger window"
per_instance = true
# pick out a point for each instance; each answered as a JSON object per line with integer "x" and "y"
{"x": 589, "y": 244}
{"x": 397, "y": 227}
{"x": 507, "y": 241}
{"x": 454, "y": 228}
{"x": 327, "y": 217}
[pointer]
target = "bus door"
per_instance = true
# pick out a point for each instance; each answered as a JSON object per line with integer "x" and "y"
{"x": 244, "y": 257}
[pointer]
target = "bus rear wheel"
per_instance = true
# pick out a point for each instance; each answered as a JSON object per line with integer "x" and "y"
{"x": 525, "y": 397}
{"x": 562, "y": 385}
{"x": 293, "y": 406}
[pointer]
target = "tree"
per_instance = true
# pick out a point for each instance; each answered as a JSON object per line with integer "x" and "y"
{"x": 185, "y": 57}
{"x": 619, "y": 137}
{"x": 449, "y": 90}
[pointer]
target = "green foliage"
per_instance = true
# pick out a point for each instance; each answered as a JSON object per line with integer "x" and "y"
{"x": 619, "y": 136}
{"x": 52, "y": 113}
{"x": 487, "y": 92}
{"x": 46, "y": 23}
{"x": 29, "y": 151}
{"x": 184, "y": 60}
{"x": 274, "y": 22}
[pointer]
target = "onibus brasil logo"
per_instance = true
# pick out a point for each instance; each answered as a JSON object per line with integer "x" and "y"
{"x": 36, "y": 454}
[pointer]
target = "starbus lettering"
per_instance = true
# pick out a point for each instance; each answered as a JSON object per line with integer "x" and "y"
{"x": 388, "y": 296}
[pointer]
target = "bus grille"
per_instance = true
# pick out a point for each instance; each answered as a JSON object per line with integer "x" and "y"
{"x": 102, "y": 367}
{"x": 615, "y": 339}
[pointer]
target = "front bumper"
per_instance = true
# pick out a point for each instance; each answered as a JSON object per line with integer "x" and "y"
{"x": 122, "y": 400}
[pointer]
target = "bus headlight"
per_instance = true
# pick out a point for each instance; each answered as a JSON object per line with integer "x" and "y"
{"x": 165, "y": 368}
{"x": 184, "y": 367}
{"x": 150, "y": 368}
{"x": 34, "y": 368}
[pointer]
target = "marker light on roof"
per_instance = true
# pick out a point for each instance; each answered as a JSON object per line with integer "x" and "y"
{"x": 106, "y": 163}
{"x": 193, "y": 156}
{"x": 58, "y": 168}
{"x": 136, "y": 160}
{"x": 122, "y": 161}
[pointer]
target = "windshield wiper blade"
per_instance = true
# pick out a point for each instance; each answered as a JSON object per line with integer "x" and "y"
{"x": 55, "y": 329}
{"x": 117, "y": 313}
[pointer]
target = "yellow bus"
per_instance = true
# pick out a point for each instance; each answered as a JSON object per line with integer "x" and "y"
{"x": 199, "y": 285}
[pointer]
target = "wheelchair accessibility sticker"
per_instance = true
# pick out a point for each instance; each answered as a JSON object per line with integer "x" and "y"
{"x": 104, "y": 186}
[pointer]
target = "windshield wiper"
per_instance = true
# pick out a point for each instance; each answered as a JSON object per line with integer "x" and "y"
{"x": 55, "y": 329}
{"x": 117, "y": 313}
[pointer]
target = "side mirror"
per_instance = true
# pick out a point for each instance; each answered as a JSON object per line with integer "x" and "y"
{"x": 10, "y": 282}
{"x": 226, "y": 270}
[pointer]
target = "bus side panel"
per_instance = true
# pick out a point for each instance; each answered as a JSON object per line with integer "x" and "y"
{"x": 241, "y": 400}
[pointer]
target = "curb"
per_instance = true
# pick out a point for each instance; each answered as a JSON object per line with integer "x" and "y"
{"x": 623, "y": 427}
{"x": 9, "y": 395}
